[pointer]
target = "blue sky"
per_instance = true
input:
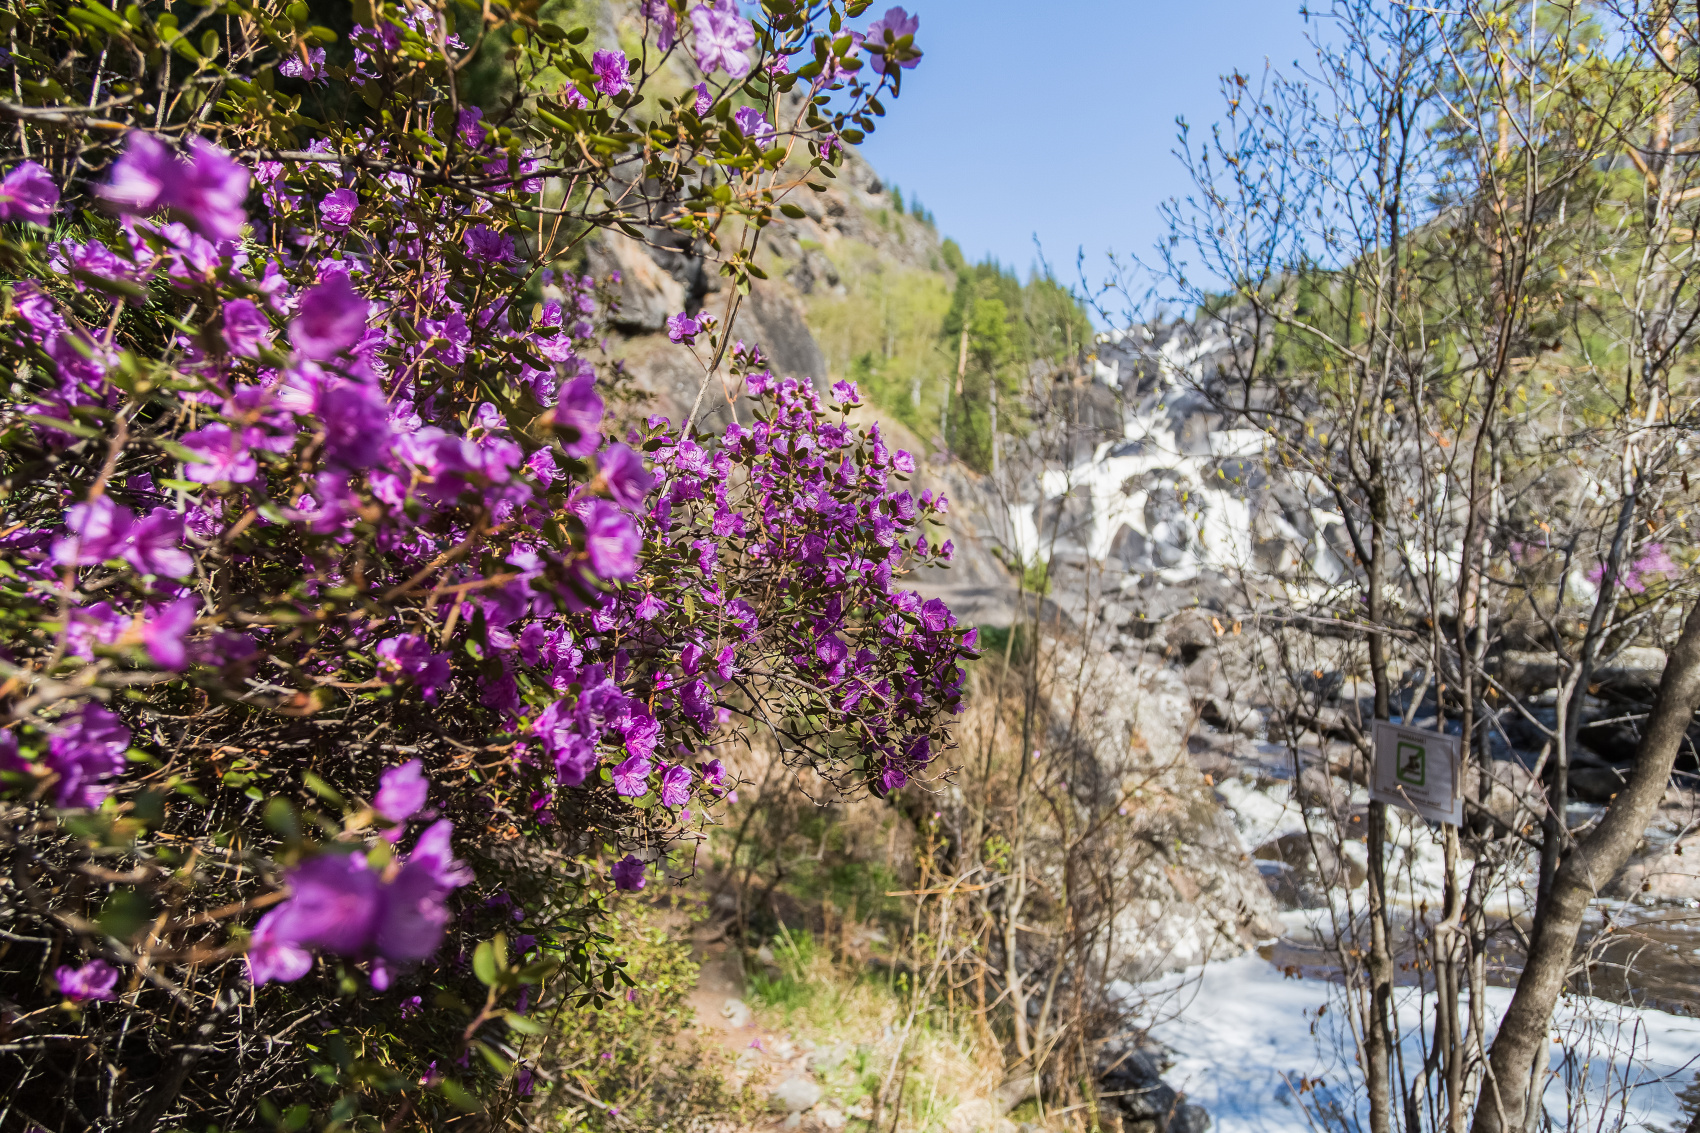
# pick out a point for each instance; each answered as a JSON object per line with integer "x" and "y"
{"x": 1058, "y": 117}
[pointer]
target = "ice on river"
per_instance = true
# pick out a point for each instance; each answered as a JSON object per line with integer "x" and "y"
{"x": 1253, "y": 1049}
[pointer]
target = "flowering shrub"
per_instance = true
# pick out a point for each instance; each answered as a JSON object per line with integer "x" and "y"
{"x": 346, "y": 644}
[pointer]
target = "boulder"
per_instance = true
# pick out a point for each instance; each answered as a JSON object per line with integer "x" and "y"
{"x": 1310, "y": 868}
{"x": 647, "y": 293}
{"x": 1130, "y": 1077}
{"x": 1667, "y": 873}
{"x": 1187, "y": 889}
{"x": 795, "y": 1094}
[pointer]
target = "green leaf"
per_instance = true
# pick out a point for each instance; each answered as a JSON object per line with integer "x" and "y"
{"x": 497, "y": 1063}
{"x": 456, "y": 1095}
{"x": 280, "y": 817}
{"x": 124, "y": 914}
{"x": 75, "y": 428}
{"x": 538, "y": 970}
{"x": 521, "y": 1024}
{"x": 792, "y": 211}
{"x": 181, "y": 452}
{"x": 321, "y": 788}
{"x": 484, "y": 963}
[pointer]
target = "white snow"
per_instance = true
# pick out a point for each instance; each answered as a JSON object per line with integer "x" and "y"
{"x": 1260, "y": 814}
{"x": 1258, "y": 1050}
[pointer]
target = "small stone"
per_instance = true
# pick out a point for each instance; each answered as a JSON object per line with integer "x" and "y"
{"x": 765, "y": 955}
{"x": 794, "y": 1095}
{"x": 829, "y": 1118}
{"x": 737, "y": 1012}
{"x": 826, "y": 1059}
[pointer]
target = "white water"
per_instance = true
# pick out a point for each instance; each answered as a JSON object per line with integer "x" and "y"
{"x": 1248, "y": 1039}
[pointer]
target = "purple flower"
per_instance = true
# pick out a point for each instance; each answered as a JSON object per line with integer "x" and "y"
{"x": 155, "y": 545}
{"x": 312, "y": 69}
{"x": 624, "y": 475}
{"x": 629, "y": 873}
{"x": 579, "y": 412}
{"x": 704, "y": 101}
{"x": 28, "y": 193}
{"x": 488, "y": 246}
{"x": 936, "y": 616}
{"x": 470, "y": 126}
{"x": 207, "y": 191}
{"x": 228, "y": 456}
{"x": 94, "y": 980}
{"x": 434, "y": 853}
{"x": 10, "y": 760}
{"x": 846, "y": 392}
{"x": 401, "y": 793}
{"x": 139, "y": 179}
{"x": 410, "y": 656}
{"x": 631, "y": 776}
{"x": 357, "y": 424}
{"x": 330, "y": 318}
{"x": 211, "y": 194}
{"x": 714, "y": 772}
{"x": 666, "y": 21}
{"x": 98, "y": 530}
{"x": 101, "y": 530}
{"x": 882, "y": 36}
{"x": 752, "y": 124}
{"x": 650, "y": 608}
{"x": 698, "y": 704}
{"x": 611, "y": 69}
{"x": 682, "y": 328}
{"x": 611, "y": 540}
{"x": 722, "y": 37}
{"x": 271, "y": 956}
{"x": 245, "y": 327}
{"x": 336, "y": 211}
{"x": 893, "y": 777}
{"x": 163, "y": 633}
{"x": 708, "y": 556}
{"x": 331, "y": 906}
{"x": 87, "y": 750}
{"x": 574, "y": 753}
{"x": 831, "y": 650}
{"x": 676, "y": 786}
{"x": 91, "y": 624}
{"x": 338, "y": 904}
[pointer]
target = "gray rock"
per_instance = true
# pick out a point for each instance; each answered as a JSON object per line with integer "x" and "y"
{"x": 737, "y": 1012}
{"x": 795, "y": 1095}
{"x": 1131, "y": 1078}
{"x": 828, "y": 1058}
{"x": 647, "y": 294}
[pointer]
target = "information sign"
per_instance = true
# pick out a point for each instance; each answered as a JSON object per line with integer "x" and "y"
{"x": 1418, "y": 770}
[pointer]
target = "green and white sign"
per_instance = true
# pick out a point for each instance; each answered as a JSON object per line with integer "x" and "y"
{"x": 1418, "y": 770}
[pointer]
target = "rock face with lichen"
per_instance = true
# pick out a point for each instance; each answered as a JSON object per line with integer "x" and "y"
{"x": 662, "y": 272}
{"x": 1190, "y": 891}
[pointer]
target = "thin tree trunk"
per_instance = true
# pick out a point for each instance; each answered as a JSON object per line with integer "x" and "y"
{"x": 1587, "y": 866}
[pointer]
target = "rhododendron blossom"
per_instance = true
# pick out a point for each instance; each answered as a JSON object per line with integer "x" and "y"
{"x": 355, "y": 606}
